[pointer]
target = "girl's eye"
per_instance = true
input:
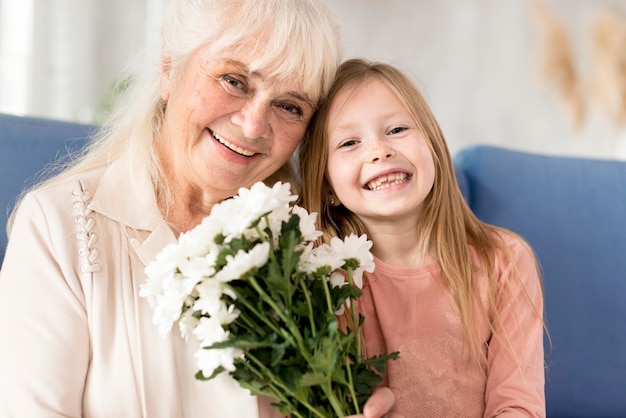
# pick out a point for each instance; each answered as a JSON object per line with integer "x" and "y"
{"x": 348, "y": 143}
{"x": 396, "y": 130}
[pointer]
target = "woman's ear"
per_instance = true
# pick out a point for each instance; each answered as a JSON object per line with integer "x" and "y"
{"x": 166, "y": 76}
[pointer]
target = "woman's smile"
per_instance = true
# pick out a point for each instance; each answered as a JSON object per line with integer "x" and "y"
{"x": 235, "y": 148}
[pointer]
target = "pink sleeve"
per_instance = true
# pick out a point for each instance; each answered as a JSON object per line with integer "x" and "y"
{"x": 44, "y": 348}
{"x": 515, "y": 381}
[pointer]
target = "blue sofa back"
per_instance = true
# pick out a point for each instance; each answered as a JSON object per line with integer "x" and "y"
{"x": 27, "y": 145}
{"x": 573, "y": 213}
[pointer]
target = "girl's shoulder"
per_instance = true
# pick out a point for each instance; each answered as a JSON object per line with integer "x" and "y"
{"x": 513, "y": 243}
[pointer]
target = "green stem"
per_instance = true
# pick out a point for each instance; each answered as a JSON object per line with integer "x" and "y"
{"x": 329, "y": 302}
{"x": 274, "y": 391}
{"x": 308, "y": 304}
{"x": 355, "y": 401}
{"x": 263, "y": 318}
{"x": 264, "y": 373}
{"x": 357, "y": 335}
{"x": 293, "y": 329}
{"x": 334, "y": 402}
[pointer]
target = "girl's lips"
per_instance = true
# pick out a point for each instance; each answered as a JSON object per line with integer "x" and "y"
{"x": 387, "y": 180}
{"x": 231, "y": 146}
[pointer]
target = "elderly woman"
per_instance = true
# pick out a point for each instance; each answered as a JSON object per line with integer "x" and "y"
{"x": 225, "y": 106}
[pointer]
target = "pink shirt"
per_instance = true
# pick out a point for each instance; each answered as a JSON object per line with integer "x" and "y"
{"x": 411, "y": 311}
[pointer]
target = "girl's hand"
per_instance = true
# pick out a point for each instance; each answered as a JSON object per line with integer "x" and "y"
{"x": 379, "y": 405}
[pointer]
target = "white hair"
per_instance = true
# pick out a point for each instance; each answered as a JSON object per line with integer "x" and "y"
{"x": 294, "y": 39}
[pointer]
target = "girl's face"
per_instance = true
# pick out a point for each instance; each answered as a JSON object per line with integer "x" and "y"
{"x": 379, "y": 164}
{"x": 225, "y": 127}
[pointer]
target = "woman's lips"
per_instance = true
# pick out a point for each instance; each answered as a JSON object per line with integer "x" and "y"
{"x": 232, "y": 147}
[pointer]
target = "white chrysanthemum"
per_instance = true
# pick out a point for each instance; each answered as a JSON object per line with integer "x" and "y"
{"x": 208, "y": 332}
{"x": 210, "y": 360}
{"x": 210, "y": 293}
{"x": 232, "y": 217}
{"x": 200, "y": 241}
{"x": 243, "y": 262}
{"x": 276, "y": 218}
{"x": 318, "y": 257}
{"x": 355, "y": 248}
{"x": 307, "y": 223}
{"x": 187, "y": 324}
{"x": 166, "y": 289}
{"x": 237, "y": 214}
{"x": 338, "y": 279}
{"x": 196, "y": 269}
{"x": 303, "y": 263}
{"x": 167, "y": 310}
{"x": 267, "y": 199}
{"x": 162, "y": 269}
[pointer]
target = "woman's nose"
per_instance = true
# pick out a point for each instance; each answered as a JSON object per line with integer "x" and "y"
{"x": 253, "y": 118}
{"x": 381, "y": 151}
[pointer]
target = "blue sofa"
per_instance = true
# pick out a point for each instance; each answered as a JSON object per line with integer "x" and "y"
{"x": 573, "y": 213}
{"x": 27, "y": 145}
{"x": 571, "y": 210}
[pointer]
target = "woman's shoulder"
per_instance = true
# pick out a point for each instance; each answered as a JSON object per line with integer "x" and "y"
{"x": 55, "y": 191}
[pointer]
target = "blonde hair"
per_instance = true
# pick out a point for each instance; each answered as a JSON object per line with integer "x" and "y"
{"x": 295, "y": 39}
{"x": 448, "y": 228}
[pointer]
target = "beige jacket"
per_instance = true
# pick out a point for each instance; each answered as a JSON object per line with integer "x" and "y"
{"x": 76, "y": 340}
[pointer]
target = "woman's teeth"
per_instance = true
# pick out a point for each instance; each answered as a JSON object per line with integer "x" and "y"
{"x": 232, "y": 147}
{"x": 387, "y": 181}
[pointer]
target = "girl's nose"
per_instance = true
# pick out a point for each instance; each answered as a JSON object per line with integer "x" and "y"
{"x": 253, "y": 118}
{"x": 381, "y": 151}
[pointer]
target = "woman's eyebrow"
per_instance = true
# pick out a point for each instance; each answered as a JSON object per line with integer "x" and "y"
{"x": 295, "y": 94}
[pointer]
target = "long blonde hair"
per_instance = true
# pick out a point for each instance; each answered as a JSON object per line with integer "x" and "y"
{"x": 447, "y": 228}
{"x": 295, "y": 39}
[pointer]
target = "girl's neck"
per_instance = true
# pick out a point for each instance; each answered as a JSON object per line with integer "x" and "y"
{"x": 399, "y": 249}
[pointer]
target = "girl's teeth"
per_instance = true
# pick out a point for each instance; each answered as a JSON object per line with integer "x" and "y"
{"x": 387, "y": 181}
{"x": 233, "y": 147}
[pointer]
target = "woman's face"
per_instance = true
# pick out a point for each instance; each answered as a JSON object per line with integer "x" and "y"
{"x": 225, "y": 127}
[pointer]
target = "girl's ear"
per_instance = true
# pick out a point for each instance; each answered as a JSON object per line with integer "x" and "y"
{"x": 333, "y": 200}
{"x": 166, "y": 77}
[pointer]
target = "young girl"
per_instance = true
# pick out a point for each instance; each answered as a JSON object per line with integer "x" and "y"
{"x": 459, "y": 299}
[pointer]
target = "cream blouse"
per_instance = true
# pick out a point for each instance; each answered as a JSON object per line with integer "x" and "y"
{"x": 76, "y": 340}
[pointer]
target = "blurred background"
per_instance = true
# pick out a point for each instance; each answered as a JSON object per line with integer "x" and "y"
{"x": 538, "y": 75}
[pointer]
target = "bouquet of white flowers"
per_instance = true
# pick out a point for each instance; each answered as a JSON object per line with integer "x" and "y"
{"x": 261, "y": 300}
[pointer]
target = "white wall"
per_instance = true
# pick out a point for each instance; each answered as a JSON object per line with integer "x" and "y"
{"x": 476, "y": 61}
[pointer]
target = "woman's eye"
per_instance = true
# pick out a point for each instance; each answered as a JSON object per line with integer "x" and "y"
{"x": 291, "y": 108}
{"x": 234, "y": 82}
{"x": 396, "y": 130}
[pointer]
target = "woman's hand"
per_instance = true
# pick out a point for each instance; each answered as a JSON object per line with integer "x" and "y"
{"x": 379, "y": 405}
